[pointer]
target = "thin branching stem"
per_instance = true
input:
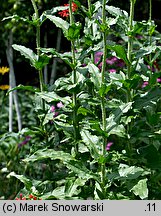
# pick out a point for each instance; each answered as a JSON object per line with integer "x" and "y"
{"x": 75, "y": 123}
{"x": 41, "y": 79}
{"x": 103, "y": 108}
{"x": 130, "y": 39}
{"x": 91, "y": 28}
{"x": 150, "y": 35}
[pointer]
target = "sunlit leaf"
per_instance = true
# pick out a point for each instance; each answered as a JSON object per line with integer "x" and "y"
{"x": 141, "y": 189}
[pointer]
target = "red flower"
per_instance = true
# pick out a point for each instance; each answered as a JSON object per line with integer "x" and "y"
{"x": 21, "y": 197}
{"x": 65, "y": 13}
{"x": 30, "y": 197}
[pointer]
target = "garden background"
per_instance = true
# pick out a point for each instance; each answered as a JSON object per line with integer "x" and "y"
{"x": 80, "y": 100}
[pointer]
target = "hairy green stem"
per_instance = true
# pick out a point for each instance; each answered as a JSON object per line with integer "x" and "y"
{"x": 150, "y": 10}
{"x": 150, "y": 35}
{"x": 130, "y": 39}
{"x": 129, "y": 68}
{"x": 91, "y": 28}
{"x": 41, "y": 79}
{"x": 103, "y": 108}
{"x": 130, "y": 45}
{"x": 75, "y": 123}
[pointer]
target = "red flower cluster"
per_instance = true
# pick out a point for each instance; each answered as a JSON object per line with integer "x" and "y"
{"x": 65, "y": 13}
{"x": 30, "y": 197}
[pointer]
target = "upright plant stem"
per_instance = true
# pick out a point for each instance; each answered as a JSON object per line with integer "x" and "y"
{"x": 150, "y": 10}
{"x": 150, "y": 35}
{"x": 130, "y": 45}
{"x": 103, "y": 168}
{"x": 91, "y": 29}
{"x": 130, "y": 40}
{"x": 41, "y": 80}
{"x": 75, "y": 123}
{"x": 46, "y": 67}
{"x": 129, "y": 68}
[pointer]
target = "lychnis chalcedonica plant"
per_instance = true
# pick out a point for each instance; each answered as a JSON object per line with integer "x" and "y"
{"x": 100, "y": 124}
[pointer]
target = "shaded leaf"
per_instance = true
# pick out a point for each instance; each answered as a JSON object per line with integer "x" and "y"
{"x": 27, "y": 182}
{"x": 82, "y": 172}
{"x": 147, "y": 99}
{"x": 120, "y": 52}
{"x": 66, "y": 57}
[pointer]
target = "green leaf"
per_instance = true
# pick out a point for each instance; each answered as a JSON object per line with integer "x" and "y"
{"x": 58, "y": 193}
{"x": 119, "y": 130}
{"x": 42, "y": 61}
{"x": 51, "y": 12}
{"x": 98, "y": 192}
{"x": 48, "y": 117}
{"x": 130, "y": 172}
{"x": 147, "y": 99}
{"x": 59, "y": 22}
{"x": 151, "y": 154}
{"x": 27, "y": 182}
{"x": 61, "y": 123}
{"x": 28, "y": 53}
{"x": 52, "y": 96}
{"x": 104, "y": 89}
{"x": 120, "y": 52}
{"x": 145, "y": 51}
{"x": 95, "y": 75}
{"x": 66, "y": 57}
{"x": 84, "y": 111}
{"x": 48, "y": 153}
{"x": 117, "y": 79}
{"x": 71, "y": 186}
{"x": 112, "y": 120}
{"x": 74, "y": 31}
{"x": 22, "y": 87}
{"x": 81, "y": 171}
{"x": 17, "y": 18}
{"x": 141, "y": 189}
{"x": 116, "y": 11}
{"x": 91, "y": 142}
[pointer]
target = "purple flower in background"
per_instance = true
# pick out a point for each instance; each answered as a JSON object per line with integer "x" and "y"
{"x": 26, "y": 140}
{"x": 139, "y": 36}
{"x": 159, "y": 80}
{"x": 111, "y": 60}
{"x": 97, "y": 58}
{"x": 144, "y": 84}
{"x": 112, "y": 70}
{"x": 55, "y": 114}
{"x": 120, "y": 63}
{"x": 83, "y": 65}
{"x": 98, "y": 54}
{"x": 52, "y": 108}
{"x": 108, "y": 146}
{"x": 59, "y": 105}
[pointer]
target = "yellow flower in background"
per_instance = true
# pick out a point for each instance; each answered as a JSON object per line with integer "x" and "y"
{"x": 4, "y": 70}
{"x": 4, "y": 87}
